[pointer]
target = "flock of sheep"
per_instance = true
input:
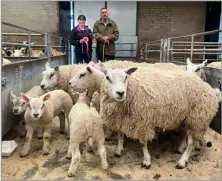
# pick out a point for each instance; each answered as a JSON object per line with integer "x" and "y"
{"x": 137, "y": 100}
{"x": 24, "y": 52}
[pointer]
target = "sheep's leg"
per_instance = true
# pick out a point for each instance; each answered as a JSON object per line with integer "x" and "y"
{"x": 40, "y": 132}
{"x": 21, "y": 128}
{"x": 147, "y": 158}
{"x": 120, "y": 144}
{"x": 184, "y": 158}
{"x": 183, "y": 145}
{"x": 29, "y": 135}
{"x": 102, "y": 154}
{"x": 108, "y": 132}
{"x": 46, "y": 138}
{"x": 62, "y": 120}
{"x": 69, "y": 153}
{"x": 76, "y": 156}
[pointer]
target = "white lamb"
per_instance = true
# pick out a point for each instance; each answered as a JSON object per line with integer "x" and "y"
{"x": 19, "y": 106}
{"x": 41, "y": 111}
{"x": 86, "y": 126}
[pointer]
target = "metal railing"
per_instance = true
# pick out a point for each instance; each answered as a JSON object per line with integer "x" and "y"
{"x": 33, "y": 33}
{"x": 177, "y": 49}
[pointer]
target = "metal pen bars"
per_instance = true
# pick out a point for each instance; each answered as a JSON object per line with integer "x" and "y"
{"x": 177, "y": 49}
{"x": 47, "y": 40}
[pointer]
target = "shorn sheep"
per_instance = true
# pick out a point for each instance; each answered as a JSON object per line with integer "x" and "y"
{"x": 41, "y": 111}
{"x": 86, "y": 126}
{"x": 19, "y": 106}
{"x": 183, "y": 103}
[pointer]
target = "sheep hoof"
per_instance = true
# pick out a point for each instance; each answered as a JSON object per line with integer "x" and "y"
{"x": 70, "y": 174}
{"x": 40, "y": 137}
{"x": 68, "y": 157}
{"x": 116, "y": 155}
{"x": 146, "y": 166}
{"x": 61, "y": 132}
{"x": 181, "y": 165}
{"x": 45, "y": 153}
{"x": 22, "y": 155}
{"x": 178, "y": 152}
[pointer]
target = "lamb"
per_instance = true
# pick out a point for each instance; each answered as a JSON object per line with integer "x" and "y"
{"x": 41, "y": 111}
{"x": 19, "y": 107}
{"x": 170, "y": 107}
{"x": 5, "y": 61}
{"x": 86, "y": 125}
{"x": 58, "y": 78}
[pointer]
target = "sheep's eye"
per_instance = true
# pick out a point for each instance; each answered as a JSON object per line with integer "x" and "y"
{"x": 82, "y": 75}
{"x": 12, "y": 102}
{"x": 107, "y": 78}
{"x": 42, "y": 106}
{"x": 197, "y": 69}
{"x": 23, "y": 103}
{"x": 29, "y": 106}
{"x": 125, "y": 79}
{"x": 51, "y": 75}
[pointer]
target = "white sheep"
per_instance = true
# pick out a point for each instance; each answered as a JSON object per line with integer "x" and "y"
{"x": 41, "y": 111}
{"x": 19, "y": 106}
{"x": 58, "y": 77}
{"x": 86, "y": 126}
{"x": 139, "y": 104}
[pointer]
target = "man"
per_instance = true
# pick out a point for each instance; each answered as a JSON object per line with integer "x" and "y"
{"x": 106, "y": 33}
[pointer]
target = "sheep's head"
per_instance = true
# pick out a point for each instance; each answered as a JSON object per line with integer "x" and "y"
{"x": 86, "y": 77}
{"x": 195, "y": 68}
{"x": 49, "y": 77}
{"x": 116, "y": 81}
{"x": 19, "y": 105}
{"x": 36, "y": 105}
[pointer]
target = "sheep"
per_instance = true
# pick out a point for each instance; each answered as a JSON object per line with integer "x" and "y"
{"x": 5, "y": 61}
{"x": 54, "y": 52}
{"x": 7, "y": 51}
{"x": 19, "y": 107}
{"x": 169, "y": 107}
{"x": 58, "y": 78}
{"x": 86, "y": 126}
{"x": 41, "y": 111}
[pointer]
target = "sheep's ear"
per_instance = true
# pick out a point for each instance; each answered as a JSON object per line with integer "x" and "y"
{"x": 47, "y": 65}
{"x": 56, "y": 68}
{"x": 205, "y": 62}
{"x": 46, "y": 97}
{"x": 13, "y": 95}
{"x": 188, "y": 61}
{"x": 89, "y": 69}
{"x": 129, "y": 71}
{"x": 26, "y": 98}
{"x": 102, "y": 67}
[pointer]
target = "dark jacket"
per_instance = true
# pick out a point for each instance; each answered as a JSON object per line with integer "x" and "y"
{"x": 77, "y": 35}
{"x": 110, "y": 30}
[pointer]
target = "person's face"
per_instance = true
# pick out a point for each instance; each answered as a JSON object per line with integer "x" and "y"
{"x": 104, "y": 13}
{"x": 81, "y": 21}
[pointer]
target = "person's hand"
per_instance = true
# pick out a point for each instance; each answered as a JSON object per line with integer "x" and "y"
{"x": 81, "y": 41}
{"x": 105, "y": 39}
{"x": 94, "y": 41}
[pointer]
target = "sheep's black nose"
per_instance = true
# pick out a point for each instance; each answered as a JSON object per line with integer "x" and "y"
{"x": 16, "y": 110}
{"x": 35, "y": 115}
{"x": 42, "y": 86}
{"x": 120, "y": 93}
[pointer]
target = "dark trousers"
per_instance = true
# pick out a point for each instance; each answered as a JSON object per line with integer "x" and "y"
{"x": 106, "y": 58}
{"x": 80, "y": 57}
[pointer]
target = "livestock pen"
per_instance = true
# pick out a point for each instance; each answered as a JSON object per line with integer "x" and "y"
{"x": 25, "y": 72}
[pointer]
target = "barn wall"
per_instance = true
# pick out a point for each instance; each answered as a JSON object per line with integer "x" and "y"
{"x": 164, "y": 19}
{"x": 42, "y": 16}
